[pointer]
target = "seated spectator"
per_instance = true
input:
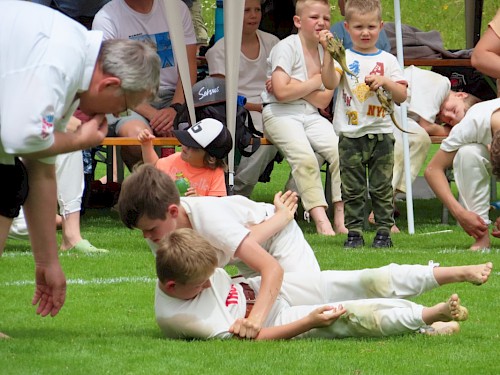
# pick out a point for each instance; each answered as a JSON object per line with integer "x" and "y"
{"x": 291, "y": 118}
{"x": 429, "y": 95}
{"x": 204, "y": 147}
{"x": 145, "y": 20}
{"x": 255, "y": 48}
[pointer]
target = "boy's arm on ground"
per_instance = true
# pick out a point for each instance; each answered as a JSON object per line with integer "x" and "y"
{"x": 285, "y": 207}
{"x": 321, "y": 317}
{"x": 286, "y": 89}
{"x": 436, "y": 178}
{"x": 258, "y": 259}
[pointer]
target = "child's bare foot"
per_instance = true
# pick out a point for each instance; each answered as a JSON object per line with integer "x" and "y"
{"x": 478, "y": 274}
{"x": 325, "y": 228}
{"x": 456, "y": 311}
{"x": 3, "y": 336}
{"x": 445, "y": 311}
{"x": 441, "y": 328}
{"x": 340, "y": 229}
{"x": 481, "y": 243}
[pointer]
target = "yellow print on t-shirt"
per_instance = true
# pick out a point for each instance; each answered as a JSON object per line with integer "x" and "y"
{"x": 362, "y": 92}
{"x": 376, "y": 111}
{"x": 353, "y": 117}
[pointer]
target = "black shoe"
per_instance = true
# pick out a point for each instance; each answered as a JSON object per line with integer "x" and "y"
{"x": 382, "y": 239}
{"x": 354, "y": 239}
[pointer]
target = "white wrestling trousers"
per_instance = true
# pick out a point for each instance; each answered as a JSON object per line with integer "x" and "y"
{"x": 374, "y": 299}
{"x": 472, "y": 171}
{"x": 70, "y": 185}
{"x": 419, "y": 144}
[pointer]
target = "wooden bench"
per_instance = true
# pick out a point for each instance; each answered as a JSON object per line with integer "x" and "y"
{"x": 117, "y": 142}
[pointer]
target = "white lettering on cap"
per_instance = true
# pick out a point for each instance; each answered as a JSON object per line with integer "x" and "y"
{"x": 204, "y": 92}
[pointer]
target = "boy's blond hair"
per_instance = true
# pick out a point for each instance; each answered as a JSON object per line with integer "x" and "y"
{"x": 353, "y": 7}
{"x": 146, "y": 192}
{"x": 301, "y": 4}
{"x": 185, "y": 256}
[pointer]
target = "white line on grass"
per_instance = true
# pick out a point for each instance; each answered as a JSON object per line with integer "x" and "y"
{"x": 98, "y": 281}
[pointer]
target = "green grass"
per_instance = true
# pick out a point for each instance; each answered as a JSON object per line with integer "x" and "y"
{"x": 107, "y": 324}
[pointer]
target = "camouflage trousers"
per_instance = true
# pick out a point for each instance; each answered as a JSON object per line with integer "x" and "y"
{"x": 369, "y": 156}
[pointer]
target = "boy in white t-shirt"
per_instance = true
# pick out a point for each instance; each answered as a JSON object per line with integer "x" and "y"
{"x": 473, "y": 150}
{"x": 150, "y": 202}
{"x": 195, "y": 299}
{"x": 366, "y": 142}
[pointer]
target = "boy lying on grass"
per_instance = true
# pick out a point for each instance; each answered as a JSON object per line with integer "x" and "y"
{"x": 196, "y": 299}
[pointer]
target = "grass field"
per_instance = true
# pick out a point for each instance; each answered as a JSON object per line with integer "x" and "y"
{"x": 107, "y": 325}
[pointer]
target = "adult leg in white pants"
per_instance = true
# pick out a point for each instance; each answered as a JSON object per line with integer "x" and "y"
{"x": 70, "y": 184}
{"x": 472, "y": 171}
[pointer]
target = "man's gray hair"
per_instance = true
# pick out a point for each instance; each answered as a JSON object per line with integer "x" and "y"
{"x": 135, "y": 62}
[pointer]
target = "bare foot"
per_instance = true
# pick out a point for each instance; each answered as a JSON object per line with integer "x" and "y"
{"x": 482, "y": 243}
{"x": 3, "y": 336}
{"x": 395, "y": 229}
{"x": 478, "y": 274}
{"x": 445, "y": 311}
{"x": 325, "y": 228}
{"x": 341, "y": 229}
{"x": 457, "y": 312}
{"x": 441, "y": 328}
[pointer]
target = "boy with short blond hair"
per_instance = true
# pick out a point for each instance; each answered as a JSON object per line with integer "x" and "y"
{"x": 330, "y": 304}
{"x": 150, "y": 202}
{"x": 364, "y": 127}
{"x": 291, "y": 117}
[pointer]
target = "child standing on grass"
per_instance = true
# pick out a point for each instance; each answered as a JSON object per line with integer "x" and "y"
{"x": 329, "y": 304}
{"x": 291, "y": 118}
{"x": 365, "y": 130}
{"x": 204, "y": 147}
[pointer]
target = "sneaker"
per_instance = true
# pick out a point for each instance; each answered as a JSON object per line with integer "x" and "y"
{"x": 382, "y": 239}
{"x": 354, "y": 239}
{"x": 86, "y": 247}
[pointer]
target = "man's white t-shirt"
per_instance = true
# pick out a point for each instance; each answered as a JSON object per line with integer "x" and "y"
{"x": 118, "y": 21}
{"x": 42, "y": 70}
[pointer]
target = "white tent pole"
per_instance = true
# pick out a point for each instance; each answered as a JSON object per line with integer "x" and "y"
{"x": 233, "y": 25}
{"x": 404, "y": 122}
{"x": 172, "y": 10}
